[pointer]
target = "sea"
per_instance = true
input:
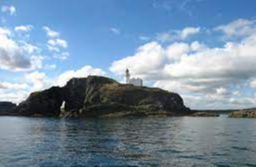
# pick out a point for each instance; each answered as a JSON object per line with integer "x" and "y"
{"x": 132, "y": 141}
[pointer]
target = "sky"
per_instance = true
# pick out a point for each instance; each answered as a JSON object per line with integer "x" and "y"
{"x": 205, "y": 50}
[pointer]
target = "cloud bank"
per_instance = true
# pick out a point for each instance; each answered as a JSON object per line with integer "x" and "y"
{"x": 214, "y": 77}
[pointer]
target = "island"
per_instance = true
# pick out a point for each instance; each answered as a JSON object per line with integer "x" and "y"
{"x": 98, "y": 96}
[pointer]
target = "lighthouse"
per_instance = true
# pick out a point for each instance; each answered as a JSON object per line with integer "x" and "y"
{"x": 127, "y": 76}
{"x": 132, "y": 81}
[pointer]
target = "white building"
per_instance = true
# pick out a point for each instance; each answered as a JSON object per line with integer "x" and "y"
{"x": 133, "y": 81}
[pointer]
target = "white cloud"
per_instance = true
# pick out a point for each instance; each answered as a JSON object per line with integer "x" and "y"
{"x": 23, "y": 28}
{"x": 5, "y": 31}
{"x": 177, "y": 50}
{"x": 148, "y": 59}
{"x": 30, "y": 48}
{"x": 177, "y": 34}
{"x": 37, "y": 79}
{"x": 221, "y": 91}
{"x": 209, "y": 76}
{"x": 204, "y": 95}
{"x": 56, "y": 46}
{"x": 62, "y": 56}
{"x": 13, "y": 96}
{"x": 236, "y": 93}
{"x": 253, "y": 83}
{"x": 189, "y": 31}
{"x": 196, "y": 46}
{"x": 180, "y": 86}
{"x": 14, "y": 86}
{"x": 30, "y": 82}
{"x": 180, "y": 6}
{"x": 53, "y": 48}
{"x": 36, "y": 62}
{"x": 16, "y": 56}
{"x": 83, "y": 72}
{"x": 58, "y": 43}
{"x": 51, "y": 33}
{"x": 50, "y": 66}
{"x": 240, "y": 27}
{"x": 115, "y": 31}
{"x": 8, "y": 9}
{"x": 144, "y": 38}
{"x": 165, "y": 37}
{"x": 217, "y": 62}
{"x": 14, "y": 92}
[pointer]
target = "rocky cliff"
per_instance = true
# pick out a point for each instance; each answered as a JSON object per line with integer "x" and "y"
{"x": 44, "y": 103}
{"x": 100, "y": 96}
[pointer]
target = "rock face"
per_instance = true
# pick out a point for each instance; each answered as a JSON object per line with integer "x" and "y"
{"x": 44, "y": 103}
{"x": 7, "y": 108}
{"x": 99, "y": 96}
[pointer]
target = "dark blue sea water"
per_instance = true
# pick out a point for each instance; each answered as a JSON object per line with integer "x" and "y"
{"x": 152, "y": 141}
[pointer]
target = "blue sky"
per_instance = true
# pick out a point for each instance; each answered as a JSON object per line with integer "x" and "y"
{"x": 202, "y": 49}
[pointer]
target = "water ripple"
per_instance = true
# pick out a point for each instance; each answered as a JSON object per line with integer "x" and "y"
{"x": 153, "y": 141}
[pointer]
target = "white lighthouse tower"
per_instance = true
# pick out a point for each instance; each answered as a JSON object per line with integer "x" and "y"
{"x": 127, "y": 76}
{"x": 133, "y": 81}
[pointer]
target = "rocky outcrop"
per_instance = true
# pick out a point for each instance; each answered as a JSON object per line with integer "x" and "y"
{"x": 247, "y": 113}
{"x": 130, "y": 100}
{"x": 78, "y": 91}
{"x": 7, "y": 108}
{"x": 44, "y": 103}
{"x": 100, "y": 96}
